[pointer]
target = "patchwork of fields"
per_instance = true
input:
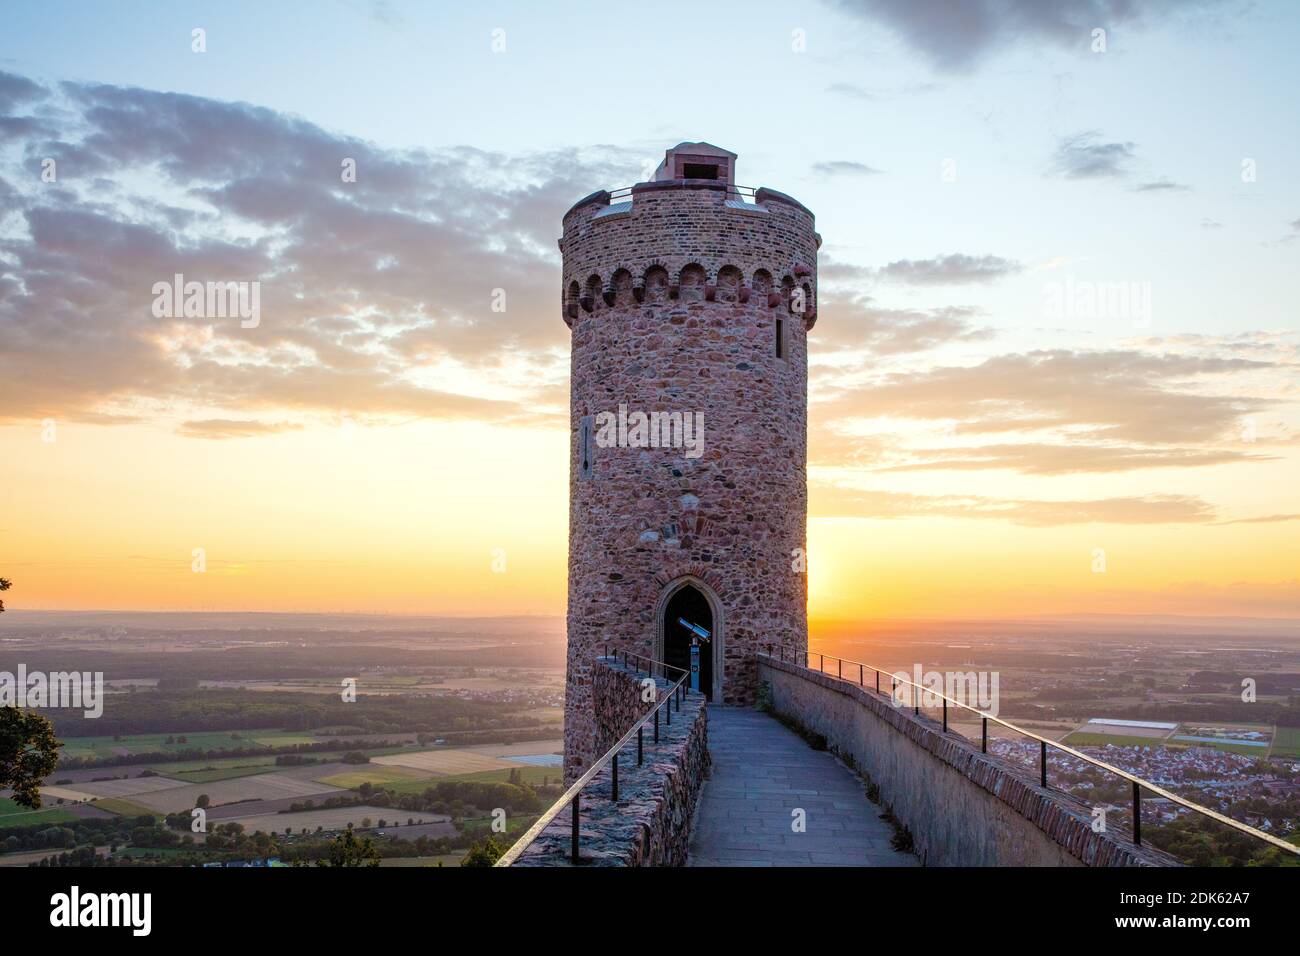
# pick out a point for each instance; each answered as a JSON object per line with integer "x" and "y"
{"x": 1252, "y": 740}
{"x": 255, "y": 791}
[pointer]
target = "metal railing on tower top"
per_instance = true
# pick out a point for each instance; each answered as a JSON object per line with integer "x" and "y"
{"x": 572, "y": 797}
{"x": 746, "y": 193}
{"x": 917, "y": 691}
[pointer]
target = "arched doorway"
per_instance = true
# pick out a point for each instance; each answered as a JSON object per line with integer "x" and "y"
{"x": 693, "y": 600}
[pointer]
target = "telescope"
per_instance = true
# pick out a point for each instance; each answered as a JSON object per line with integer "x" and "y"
{"x": 695, "y": 629}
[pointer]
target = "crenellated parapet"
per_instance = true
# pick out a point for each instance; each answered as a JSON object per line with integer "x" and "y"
{"x": 730, "y": 249}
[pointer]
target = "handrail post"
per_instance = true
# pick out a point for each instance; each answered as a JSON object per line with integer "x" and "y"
{"x": 862, "y": 675}
{"x": 1137, "y": 814}
{"x": 640, "y": 745}
{"x": 656, "y": 725}
{"x": 573, "y": 833}
{"x": 984, "y": 746}
{"x": 668, "y": 711}
{"x": 839, "y": 668}
{"x": 615, "y": 775}
{"x": 877, "y": 682}
{"x": 916, "y": 701}
{"x": 1042, "y": 762}
{"x": 945, "y": 715}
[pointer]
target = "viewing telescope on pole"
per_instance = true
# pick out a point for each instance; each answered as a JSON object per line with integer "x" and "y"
{"x": 697, "y": 634}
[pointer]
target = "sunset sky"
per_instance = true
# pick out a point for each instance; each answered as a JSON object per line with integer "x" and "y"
{"x": 980, "y": 437}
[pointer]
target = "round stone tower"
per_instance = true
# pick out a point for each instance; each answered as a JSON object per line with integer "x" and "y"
{"x": 689, "y": 302}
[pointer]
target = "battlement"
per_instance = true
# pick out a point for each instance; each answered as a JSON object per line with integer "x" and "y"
{"x": 731, "y": 244}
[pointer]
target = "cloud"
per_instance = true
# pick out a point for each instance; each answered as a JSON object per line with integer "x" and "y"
{"x": 844, "y": 167}
{"x": 835, "y": 501}
{"x": 1086, "y": 156}
{"x": 372, "y": 292}
{"x": 1043, "y": 458}
{"x": 16, "y": 90}
{"x": 220, "y": 428}
{"x": 852, "y": 91}
{"x": 858, "y": 324}
{"x": 1120, "y": 395}
{"x": 1264, "y": 519}
{"x": 1161, "y": 185}
{"x": 954, "y": 269}
{"x": 955, "y": 37}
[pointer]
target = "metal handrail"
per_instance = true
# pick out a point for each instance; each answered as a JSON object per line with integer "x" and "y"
{"x": 1138, "y": 782}
{"x": 625, "y": 192}
{"x": 572, "y": 795}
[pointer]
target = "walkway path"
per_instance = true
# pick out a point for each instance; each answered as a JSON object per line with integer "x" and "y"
{"x": 761, "y": 772}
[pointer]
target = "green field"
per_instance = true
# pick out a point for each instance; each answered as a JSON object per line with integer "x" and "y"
{"x": 211, "y": 775}
{"x": 124, "y": 808}
{"x": 378, "y": 775}
{"x": 220, "y": 763}
{"x": 534, "y": 776}
{"x": 1083, "y": 739}
{"x": 1286, "y": 742}
{"x": 198, "y": 740}
{"x": 16, "y": 815}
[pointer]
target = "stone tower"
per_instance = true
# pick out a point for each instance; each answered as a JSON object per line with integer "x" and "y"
{"x": 689, "y": 302}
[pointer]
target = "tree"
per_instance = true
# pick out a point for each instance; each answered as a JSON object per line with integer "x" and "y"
{"x": 29, "y": 752}
{"x": 484, "y": 852}
{"x": 348, "y": 850}
{"x": 203, "y": 801}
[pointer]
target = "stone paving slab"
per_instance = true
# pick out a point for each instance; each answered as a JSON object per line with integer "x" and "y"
{"x": 761, "y": 772}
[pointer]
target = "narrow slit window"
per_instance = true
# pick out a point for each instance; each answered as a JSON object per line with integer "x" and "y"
{"x": 780, "y": 338}
{"x": 584, "y": 448}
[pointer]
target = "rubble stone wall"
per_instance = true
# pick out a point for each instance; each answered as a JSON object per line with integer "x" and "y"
{"x": 651, "y": 823}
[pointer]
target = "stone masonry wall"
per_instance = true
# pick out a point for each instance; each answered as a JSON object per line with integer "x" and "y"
{"x": 651, "y": 823}
{"x": 964, "y": 808}
{"x": 673, "y": 301}
{"x": 616, "y": 702}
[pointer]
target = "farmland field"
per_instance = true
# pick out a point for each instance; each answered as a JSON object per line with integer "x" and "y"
{"x": 265, "y": 786}
{"x": 124, "y": 808}
{"x": 199, "y": 740}
{"x": 1082, "y": 738}
{"x": 15, "y": 815}
{"x": 444, "y": 762}
{"x": 334, "y": 819}
{"x": 535, "y": 776}
{"x": 213, "y": 774}
{"x": 1286, "y": 742}
{"x": 469, "y": 760}
{"x": 377, "y": 776}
